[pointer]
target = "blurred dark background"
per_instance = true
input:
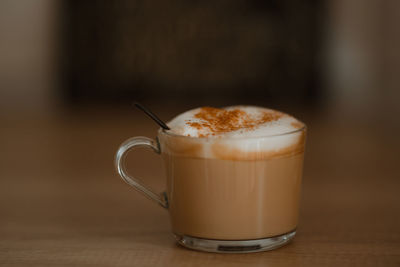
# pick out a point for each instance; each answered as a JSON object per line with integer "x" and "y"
{"x": 314, "y": 54}
{"x": 219, "y": 50}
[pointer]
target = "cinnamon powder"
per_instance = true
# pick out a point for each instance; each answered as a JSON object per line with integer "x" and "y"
{"x": 217, "y": 120}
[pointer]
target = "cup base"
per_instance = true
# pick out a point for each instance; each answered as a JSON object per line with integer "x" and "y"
{"x": 235, "y": 246}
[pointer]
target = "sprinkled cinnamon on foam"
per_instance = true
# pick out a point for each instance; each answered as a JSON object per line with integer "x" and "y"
{"x": 237, "y": 132}
{"x": 218, "y": 120}
{"x": 232, "y": 121}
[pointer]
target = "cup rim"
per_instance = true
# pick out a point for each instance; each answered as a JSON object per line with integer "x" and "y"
{"x": 169, "y": 133}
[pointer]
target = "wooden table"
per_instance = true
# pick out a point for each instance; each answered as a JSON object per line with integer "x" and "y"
{"x": 62, "y": 203}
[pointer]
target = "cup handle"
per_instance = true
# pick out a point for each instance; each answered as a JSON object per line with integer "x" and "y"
{"x": 123, "y": 150}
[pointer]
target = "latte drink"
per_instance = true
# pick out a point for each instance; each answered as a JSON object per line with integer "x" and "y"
{"x": 233, "y": 173}
{"x": 233, "y": 177}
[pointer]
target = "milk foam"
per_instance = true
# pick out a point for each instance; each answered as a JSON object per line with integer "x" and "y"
{"x": 270, "y": 136}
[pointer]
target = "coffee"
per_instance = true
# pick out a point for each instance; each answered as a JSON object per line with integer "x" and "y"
{"x": 233, "y": 174}
{"x": 233, "y": 200}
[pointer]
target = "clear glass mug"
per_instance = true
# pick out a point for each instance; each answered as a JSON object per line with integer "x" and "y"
{"x": 229, "y": 195}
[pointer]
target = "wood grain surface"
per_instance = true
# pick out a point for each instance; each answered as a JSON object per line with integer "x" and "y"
{"x": 62, "y": 203}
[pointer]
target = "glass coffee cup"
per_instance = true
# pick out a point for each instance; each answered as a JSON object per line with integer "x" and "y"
{"x": 227, "y": 194}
